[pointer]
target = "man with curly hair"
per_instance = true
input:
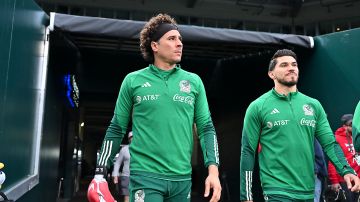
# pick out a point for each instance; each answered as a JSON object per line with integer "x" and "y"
{"x": 165, "y": 102}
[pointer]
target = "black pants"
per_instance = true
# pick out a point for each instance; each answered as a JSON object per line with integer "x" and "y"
{"x": 350, "y": 196}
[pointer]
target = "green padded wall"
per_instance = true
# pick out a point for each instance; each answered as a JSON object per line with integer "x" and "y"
{"x": 22, "y": 34}
{"x": 47, "y": 188}
{"x": 332, "y": 73}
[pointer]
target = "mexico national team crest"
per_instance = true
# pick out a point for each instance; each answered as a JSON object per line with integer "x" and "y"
{"x": 308, "y": 110}
{"x": 139, "y": 196}
{"x": 185, "y": 86}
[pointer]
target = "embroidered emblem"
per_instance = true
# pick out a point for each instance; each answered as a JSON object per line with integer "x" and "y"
{"x": 185, "y": 86}
{"x": 139, "y": 196}
{"x": 308, "y": 110}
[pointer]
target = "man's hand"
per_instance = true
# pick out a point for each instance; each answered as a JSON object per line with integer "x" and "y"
{"x": 213, "y": 182}
{"x": 98, "y": 190}
{"x": 335, "y": 187}
{"x": 115, "y": 179}
{"x": 352, "y": 182}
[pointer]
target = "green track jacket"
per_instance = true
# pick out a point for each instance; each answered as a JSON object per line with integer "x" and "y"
{"x": 285, "y": 127}
{"x": 356, "y": 128}
{"x": 163, "y": 106}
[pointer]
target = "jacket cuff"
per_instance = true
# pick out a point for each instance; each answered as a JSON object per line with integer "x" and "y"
{"x": 348, "y": 170}
{"x": 100, "y": 170}
{"x": 211, "y": 163}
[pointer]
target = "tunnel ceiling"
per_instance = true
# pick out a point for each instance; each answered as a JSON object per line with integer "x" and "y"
{"x": 106, "y": 38}
{"x": 208, "y": 50}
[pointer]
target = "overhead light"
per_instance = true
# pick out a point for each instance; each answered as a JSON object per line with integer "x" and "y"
{"x": 82, "y": 124}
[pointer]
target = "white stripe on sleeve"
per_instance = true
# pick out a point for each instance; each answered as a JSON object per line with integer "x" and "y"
{"x": 248, "y": 176}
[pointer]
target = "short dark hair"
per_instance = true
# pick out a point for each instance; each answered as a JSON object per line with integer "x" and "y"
{"x": 280, "y": 53}
{"x": 148, "y": 31}
{"x": 346, "y": 119}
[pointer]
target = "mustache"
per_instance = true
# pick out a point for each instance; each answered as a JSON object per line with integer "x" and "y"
{"x": 291, "y": 72}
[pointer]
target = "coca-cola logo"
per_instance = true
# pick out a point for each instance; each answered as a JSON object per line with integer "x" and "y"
{"x": 307, "y": 122}
{"x": 185, "y": 99}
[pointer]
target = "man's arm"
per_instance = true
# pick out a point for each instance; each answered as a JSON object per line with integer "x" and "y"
{"x": 249, "y": 142}
{"x": 205, "y": 128}
{"x": 327, "y": 140}
{"x": 356, "y": 128}
{"x": 98, "y": 188}
{"x": 117, "y": 164}
{"x": 118, "y": 125}
{"x": 208, "y": 142}
{"x": 333, "y": 175}
{"x": 213, "y": 182}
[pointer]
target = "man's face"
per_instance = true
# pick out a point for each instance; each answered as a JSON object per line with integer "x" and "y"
{"x": 169, "y": 47}
{"x": 349, "y": 127}
{"x": 286, "y": 71}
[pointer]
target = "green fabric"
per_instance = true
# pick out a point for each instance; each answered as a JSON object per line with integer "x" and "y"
{"x": 281, "y": 198}
{"x": 286, "y": 127}
{"x": 356, "y": 128}
{"x": 158, "y": 190}
{"x": 161, "y": 176}
{"x": 164, "y": 106}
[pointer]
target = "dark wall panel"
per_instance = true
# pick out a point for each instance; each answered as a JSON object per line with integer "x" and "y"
{"x": 22, "y": 34}
{"x": 57, "y": 137}
{"x": 47, "y": 188}
{"x": 6, "y": 13}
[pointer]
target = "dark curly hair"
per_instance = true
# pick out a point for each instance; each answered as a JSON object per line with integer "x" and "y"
{"x": 280, "y": 53}
{"x": 148, "y": 31}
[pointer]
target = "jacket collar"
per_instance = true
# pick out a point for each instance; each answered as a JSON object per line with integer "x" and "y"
{"x": 157, "y": 70}
{"x": 282, "y": 96}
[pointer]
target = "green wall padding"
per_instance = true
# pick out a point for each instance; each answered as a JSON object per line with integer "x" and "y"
{"x": 22, "y": 34}
{"x": 332, "y": 73}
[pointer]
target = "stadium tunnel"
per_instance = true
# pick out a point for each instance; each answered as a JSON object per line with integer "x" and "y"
{"x": 233, "y": 65}
{"x": 59, "y": 85}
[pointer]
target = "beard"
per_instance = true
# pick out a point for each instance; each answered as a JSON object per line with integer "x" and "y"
{"x": 290, "y": 83}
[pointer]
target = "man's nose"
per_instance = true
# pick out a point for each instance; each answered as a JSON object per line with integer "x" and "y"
{"x": 292, "y": 68}
{"x": 179, "y": 43}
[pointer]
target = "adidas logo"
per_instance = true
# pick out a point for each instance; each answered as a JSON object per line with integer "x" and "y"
{"x": 146, "y": 84}
{"x": 275, "y": 111}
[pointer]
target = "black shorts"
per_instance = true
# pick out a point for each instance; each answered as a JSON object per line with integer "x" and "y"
{"x": 124, "y": 185}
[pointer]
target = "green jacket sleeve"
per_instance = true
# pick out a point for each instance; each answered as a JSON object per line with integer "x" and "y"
{"x": 249, "y": 143}
{"x": 205, "y": 127}
{"x": 118, "y": 125}
{"x": 356, "y": 128}
{"x": 327, "y": 140}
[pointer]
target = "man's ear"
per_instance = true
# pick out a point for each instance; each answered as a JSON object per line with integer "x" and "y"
{"x": 271, "y": 74}
{"x": 154, "y": 46}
